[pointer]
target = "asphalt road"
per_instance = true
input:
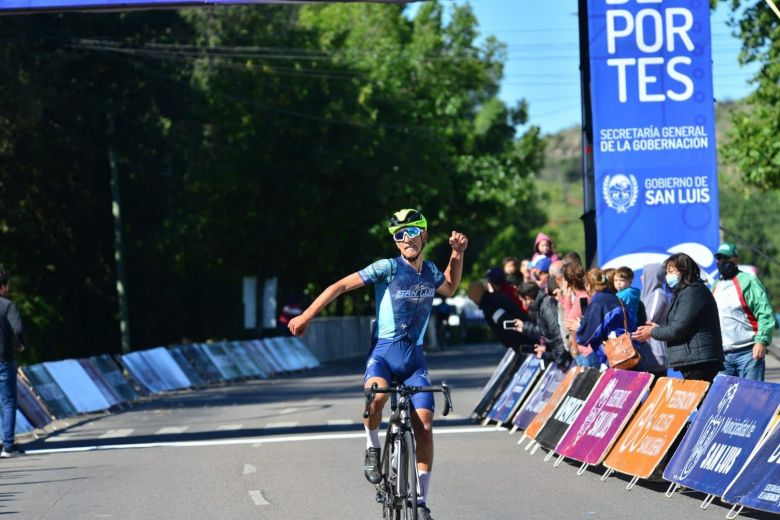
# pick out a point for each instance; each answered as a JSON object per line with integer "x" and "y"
{"x": 292, "y": 448}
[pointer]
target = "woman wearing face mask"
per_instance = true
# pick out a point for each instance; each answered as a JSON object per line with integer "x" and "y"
{"x": 692, "y": 330}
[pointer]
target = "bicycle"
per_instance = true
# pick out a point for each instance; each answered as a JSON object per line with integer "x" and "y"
{"x": 397, "y": 490}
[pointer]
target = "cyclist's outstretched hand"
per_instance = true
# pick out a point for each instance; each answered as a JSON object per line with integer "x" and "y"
{"x": 298, "y": 325}
{"x": 459, "y": 242}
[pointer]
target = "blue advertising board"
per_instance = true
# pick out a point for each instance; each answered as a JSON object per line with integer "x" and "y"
{"x": 728, "y": 426}
{"x": 654, "y": 149}
{"x": 21, "y": 6}
{"x": 518, "y": 387}
{"x": 543, "y": 390}
{"x": 758, "y": 484}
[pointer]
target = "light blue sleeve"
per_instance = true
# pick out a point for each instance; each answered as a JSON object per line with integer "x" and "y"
{"x": 379, "y": 271}
{"x": 438, "y": 276}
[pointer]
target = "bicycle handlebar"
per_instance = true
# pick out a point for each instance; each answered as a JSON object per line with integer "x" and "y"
{"x": 404, "y": 390}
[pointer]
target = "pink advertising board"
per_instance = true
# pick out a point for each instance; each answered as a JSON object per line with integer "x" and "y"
{"x": 604, "y": 415}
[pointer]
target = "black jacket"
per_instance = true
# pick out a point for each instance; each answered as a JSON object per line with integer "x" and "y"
{"x": 546, "y": 326}
{"x": 499, "y": 307}
{"x": 692, "y": 330}
{"x": 10, "y": 326}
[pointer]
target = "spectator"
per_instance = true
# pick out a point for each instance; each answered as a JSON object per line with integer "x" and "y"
{"x": 609, "y": 273}
{"x": 746, "y": 319}
{"x": 543, "y": 247}
{"x": 498, "y": 283}
{"x": 540, "y": 270}
{"x": 511, "y": 266}
{"x": 497, "y": 308}
{"x": 10, "y": 327}
{"x": 654, "y": 357}
{"x": 558, "y": 289}
{"x": 603, "y": 316}
{"x": 525, "y": 269}
{"x": 572, "y": 257}
{"x": 574, "y": 302}
{"x": 692, "y": 331}
{"x": 630, "y": 296}
{"x": 551, "y": 347}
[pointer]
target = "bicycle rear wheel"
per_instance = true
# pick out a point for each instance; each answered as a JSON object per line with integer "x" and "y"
{"x": 408, "y": 477}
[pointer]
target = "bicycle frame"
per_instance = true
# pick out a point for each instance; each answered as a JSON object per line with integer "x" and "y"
{"x": 397, "y": 491}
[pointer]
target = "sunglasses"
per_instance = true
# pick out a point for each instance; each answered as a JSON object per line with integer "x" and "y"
{"x": 410, "y": 232}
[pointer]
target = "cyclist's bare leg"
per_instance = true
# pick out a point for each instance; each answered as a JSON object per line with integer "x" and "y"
{"x": 422, "y": 424}
{"x": 375, "y": 415}
{"x": 372, "y": 423}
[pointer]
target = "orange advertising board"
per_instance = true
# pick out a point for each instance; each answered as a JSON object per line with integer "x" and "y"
{"x": 546, "y": 412}
{"x": 655, "y": 427}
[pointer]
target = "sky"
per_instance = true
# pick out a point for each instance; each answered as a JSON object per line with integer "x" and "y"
{"x": 543, "y": 62}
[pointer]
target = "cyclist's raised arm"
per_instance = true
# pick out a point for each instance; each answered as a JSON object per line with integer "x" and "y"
{"x": 349, "y": 283}
{"x": 454, "y": 271}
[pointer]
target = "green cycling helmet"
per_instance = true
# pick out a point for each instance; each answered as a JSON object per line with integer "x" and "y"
{"x": 407, "y": 218}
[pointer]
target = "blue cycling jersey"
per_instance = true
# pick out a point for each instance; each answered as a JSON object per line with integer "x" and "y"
{"x": 404, "y": 297}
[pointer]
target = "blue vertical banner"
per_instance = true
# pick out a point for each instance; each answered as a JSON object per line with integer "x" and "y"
{"x": 653, "y": 131}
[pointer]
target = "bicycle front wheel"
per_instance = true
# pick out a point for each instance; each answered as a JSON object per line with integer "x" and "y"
{"x": 408, "y": 477}
{"x": 389, "y": 510}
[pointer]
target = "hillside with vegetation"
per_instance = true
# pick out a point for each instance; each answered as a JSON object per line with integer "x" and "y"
{"x": 744, "y": 215}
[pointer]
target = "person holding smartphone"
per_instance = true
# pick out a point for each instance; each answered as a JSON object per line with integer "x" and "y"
{"x": 500, "y": 313}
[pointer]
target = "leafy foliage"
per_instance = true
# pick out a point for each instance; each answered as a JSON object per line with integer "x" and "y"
{"x": 754, "y": 148}
{"x": 252, "y": 141}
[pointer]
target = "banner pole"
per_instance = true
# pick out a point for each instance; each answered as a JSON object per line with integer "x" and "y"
{"x": 588, "y": 176}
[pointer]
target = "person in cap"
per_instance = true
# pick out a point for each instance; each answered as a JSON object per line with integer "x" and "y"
{"x": 540, "y": 270}
{"x": 746, "y": 318}
{"x": 405, "y": 288}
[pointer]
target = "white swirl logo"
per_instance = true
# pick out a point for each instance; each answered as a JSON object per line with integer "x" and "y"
{"x": 620, "y": 191}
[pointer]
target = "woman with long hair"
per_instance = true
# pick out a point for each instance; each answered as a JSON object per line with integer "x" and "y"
{"x": 692, "y": 329}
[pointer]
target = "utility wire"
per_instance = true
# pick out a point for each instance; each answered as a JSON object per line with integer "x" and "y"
{"x": 750, "y": 246}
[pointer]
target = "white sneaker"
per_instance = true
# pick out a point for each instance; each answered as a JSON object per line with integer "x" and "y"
{"x": 14, "y": 451}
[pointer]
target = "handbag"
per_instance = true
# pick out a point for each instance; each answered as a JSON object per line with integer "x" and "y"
{"x": 620, "y": 350}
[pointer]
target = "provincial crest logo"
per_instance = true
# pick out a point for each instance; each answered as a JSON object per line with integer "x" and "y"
{"x": 620, "y": 191}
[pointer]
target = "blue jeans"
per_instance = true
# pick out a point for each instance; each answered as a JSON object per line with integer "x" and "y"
{"x": 8, "y": 399}
{"x": 740, "y": 363}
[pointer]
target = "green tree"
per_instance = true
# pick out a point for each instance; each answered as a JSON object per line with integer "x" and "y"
{"x": 265, "y": 141}
{"x": 754, "y": 148}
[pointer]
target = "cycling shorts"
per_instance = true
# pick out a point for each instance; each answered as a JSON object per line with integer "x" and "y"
{"x": 406, "y": 363}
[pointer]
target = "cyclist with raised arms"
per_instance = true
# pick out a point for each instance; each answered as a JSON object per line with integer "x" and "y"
{"x": 405, "y": 287}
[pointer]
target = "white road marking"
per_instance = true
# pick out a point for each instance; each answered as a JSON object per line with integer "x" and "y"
{"x": 280, "y": 425}
{"x": 170, "y": 430}
{"x": 258, "y": 498}
{"x": 255, "y": 442}
{"x": 287, "y": 411}
{"x": 340, "y": 422}
{"x": 229, "y": 427}
{"x": 63, "y": 437}
{"x": 248, "y": 468}
{"x": 114, "y": 434}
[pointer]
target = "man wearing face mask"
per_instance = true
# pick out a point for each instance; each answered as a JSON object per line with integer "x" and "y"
{"x": 746, "y": 320}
